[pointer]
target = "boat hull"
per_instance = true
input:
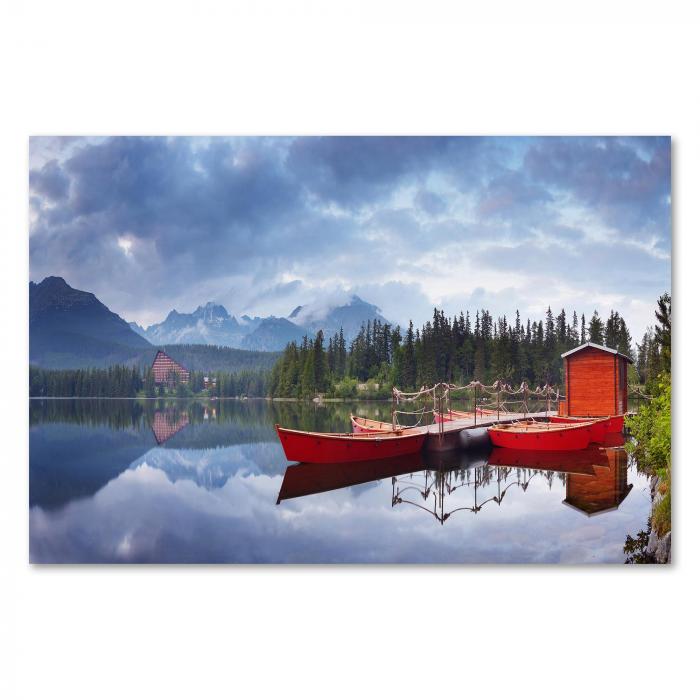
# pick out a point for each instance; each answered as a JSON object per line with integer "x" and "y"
{"x": 599, "y": 428}
{"x": 452, "y": 415}
{"x": 468, "y": 415}
{"x": 331, "y": 448}
{"x": 617, "y": 424}
{"x": 569, "y": 437}
{"x": 368, "y": 425}
{"x": 614, "y": 424}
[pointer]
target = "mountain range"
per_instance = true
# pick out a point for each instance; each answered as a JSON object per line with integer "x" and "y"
{"x": 72, "y": 328}
{"x": 211, "y": 324}
{"x": 69, "y": 327}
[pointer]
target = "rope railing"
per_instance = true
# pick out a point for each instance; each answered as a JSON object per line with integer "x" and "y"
{"x": 441, "y": 394}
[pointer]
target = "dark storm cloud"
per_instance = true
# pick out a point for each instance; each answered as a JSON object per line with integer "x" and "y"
{"x": 151, "y": 223}
{"x": 50, "y": 181}
{"x": 430, "y": 202}
{"x": 358, "y": 171}
{"x": 351, "y": 171}
{"x": 512, "y": 194}
{"x": 626, "y": 180}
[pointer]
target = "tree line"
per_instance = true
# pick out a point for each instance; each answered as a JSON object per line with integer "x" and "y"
{"x": 455, "y": 350}
{"x": 116, "y": 382}
{"x": 121, "y": 381}
{"x": 654, "y": 352}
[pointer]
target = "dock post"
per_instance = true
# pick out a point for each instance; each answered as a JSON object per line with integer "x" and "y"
{"x": 527, "y": 389}
{"x": 498, "y": 400}
{"x": 475, "y": 405}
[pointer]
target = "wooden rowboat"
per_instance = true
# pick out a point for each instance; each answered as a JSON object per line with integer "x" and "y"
{"x": 462, "y": 415}
{"x": 368, "y": 425}
{"x": 541, "y": 436}
{"x": 302, "y": 446}
{"x": 613, "y": 424}
{"x": 599, "y": 426}
{"x": 452, "y": 415}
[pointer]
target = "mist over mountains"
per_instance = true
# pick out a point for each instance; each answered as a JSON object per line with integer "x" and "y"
{"x": 212, "y": 324}
{"x": 72, "y": 328}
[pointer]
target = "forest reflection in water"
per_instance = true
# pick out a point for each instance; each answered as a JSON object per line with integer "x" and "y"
{"x": 128, "y": 481}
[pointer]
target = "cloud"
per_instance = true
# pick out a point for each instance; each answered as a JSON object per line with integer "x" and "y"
{"x": 49, "y": 181}
{"x": 511, "y": 195}
{"x": 430, "y": 202}
{"x": 627, "y": 181}
{"x": 203, "y": 506}
{"x": 265, "y": 224}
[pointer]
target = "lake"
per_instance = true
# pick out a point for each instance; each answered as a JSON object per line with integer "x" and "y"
{"x": 126, "y": 481}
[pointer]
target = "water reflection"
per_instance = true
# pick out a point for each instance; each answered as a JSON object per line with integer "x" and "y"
{"x": 595, "y": 479}
{"x": 130, "y": 481}
{"x": 165, "y": 424}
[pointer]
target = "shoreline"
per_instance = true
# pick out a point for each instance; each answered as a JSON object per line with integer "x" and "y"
{"x": 658, "y": 547}
{"x": 203, "y": 398}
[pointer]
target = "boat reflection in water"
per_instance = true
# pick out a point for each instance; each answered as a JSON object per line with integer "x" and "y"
{"x": 443, "y": 484}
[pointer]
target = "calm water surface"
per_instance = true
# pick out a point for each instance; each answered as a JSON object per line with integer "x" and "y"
{"x": 129, "y": 481}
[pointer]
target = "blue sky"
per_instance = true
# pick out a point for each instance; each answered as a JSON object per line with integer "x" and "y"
{"x": 261, "y": 224}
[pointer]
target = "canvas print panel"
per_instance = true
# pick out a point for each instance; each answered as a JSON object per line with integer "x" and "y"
{"x": 350, "y": 350}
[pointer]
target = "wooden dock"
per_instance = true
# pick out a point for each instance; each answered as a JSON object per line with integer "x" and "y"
{"x": 467, "y": 432}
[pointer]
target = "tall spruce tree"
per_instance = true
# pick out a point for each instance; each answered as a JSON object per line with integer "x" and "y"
{"x": 595, "y": 330}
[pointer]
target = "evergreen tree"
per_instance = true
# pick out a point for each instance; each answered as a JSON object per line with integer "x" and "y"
{"x": 342, "y": 354}
{"x": 150, "y": 384}
{"x": 663, "y": 330}
{"x": 320, "y": 363}
{"x": 574, "y": 331}
{"x": 595, "y": 329}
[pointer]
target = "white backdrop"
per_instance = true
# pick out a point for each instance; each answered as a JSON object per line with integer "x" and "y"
{"x": 356, "y": 68}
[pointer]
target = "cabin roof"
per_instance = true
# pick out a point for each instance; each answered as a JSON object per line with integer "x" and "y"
{"x": 597, "y": 347}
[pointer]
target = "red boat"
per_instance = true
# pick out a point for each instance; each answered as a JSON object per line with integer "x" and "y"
{"x": 492, "y": 412}
{"x": 452, "y": 415}
{"x": 617, "y": 424}
{"x": 614, "y": 424}
{"x": 302, "y": 446}
{"x": 462, "y": 415}
{"x": 368, "y": 425}
{"x": 541, "y": 436}
{"x": 599, "y": 426}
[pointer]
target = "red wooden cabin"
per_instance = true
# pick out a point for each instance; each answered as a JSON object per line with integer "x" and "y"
{"x": 595, "y": 381}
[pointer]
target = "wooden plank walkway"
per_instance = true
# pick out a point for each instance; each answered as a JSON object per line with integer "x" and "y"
{"x": 455, "y": 434}
{"x": 481, "y": 422}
